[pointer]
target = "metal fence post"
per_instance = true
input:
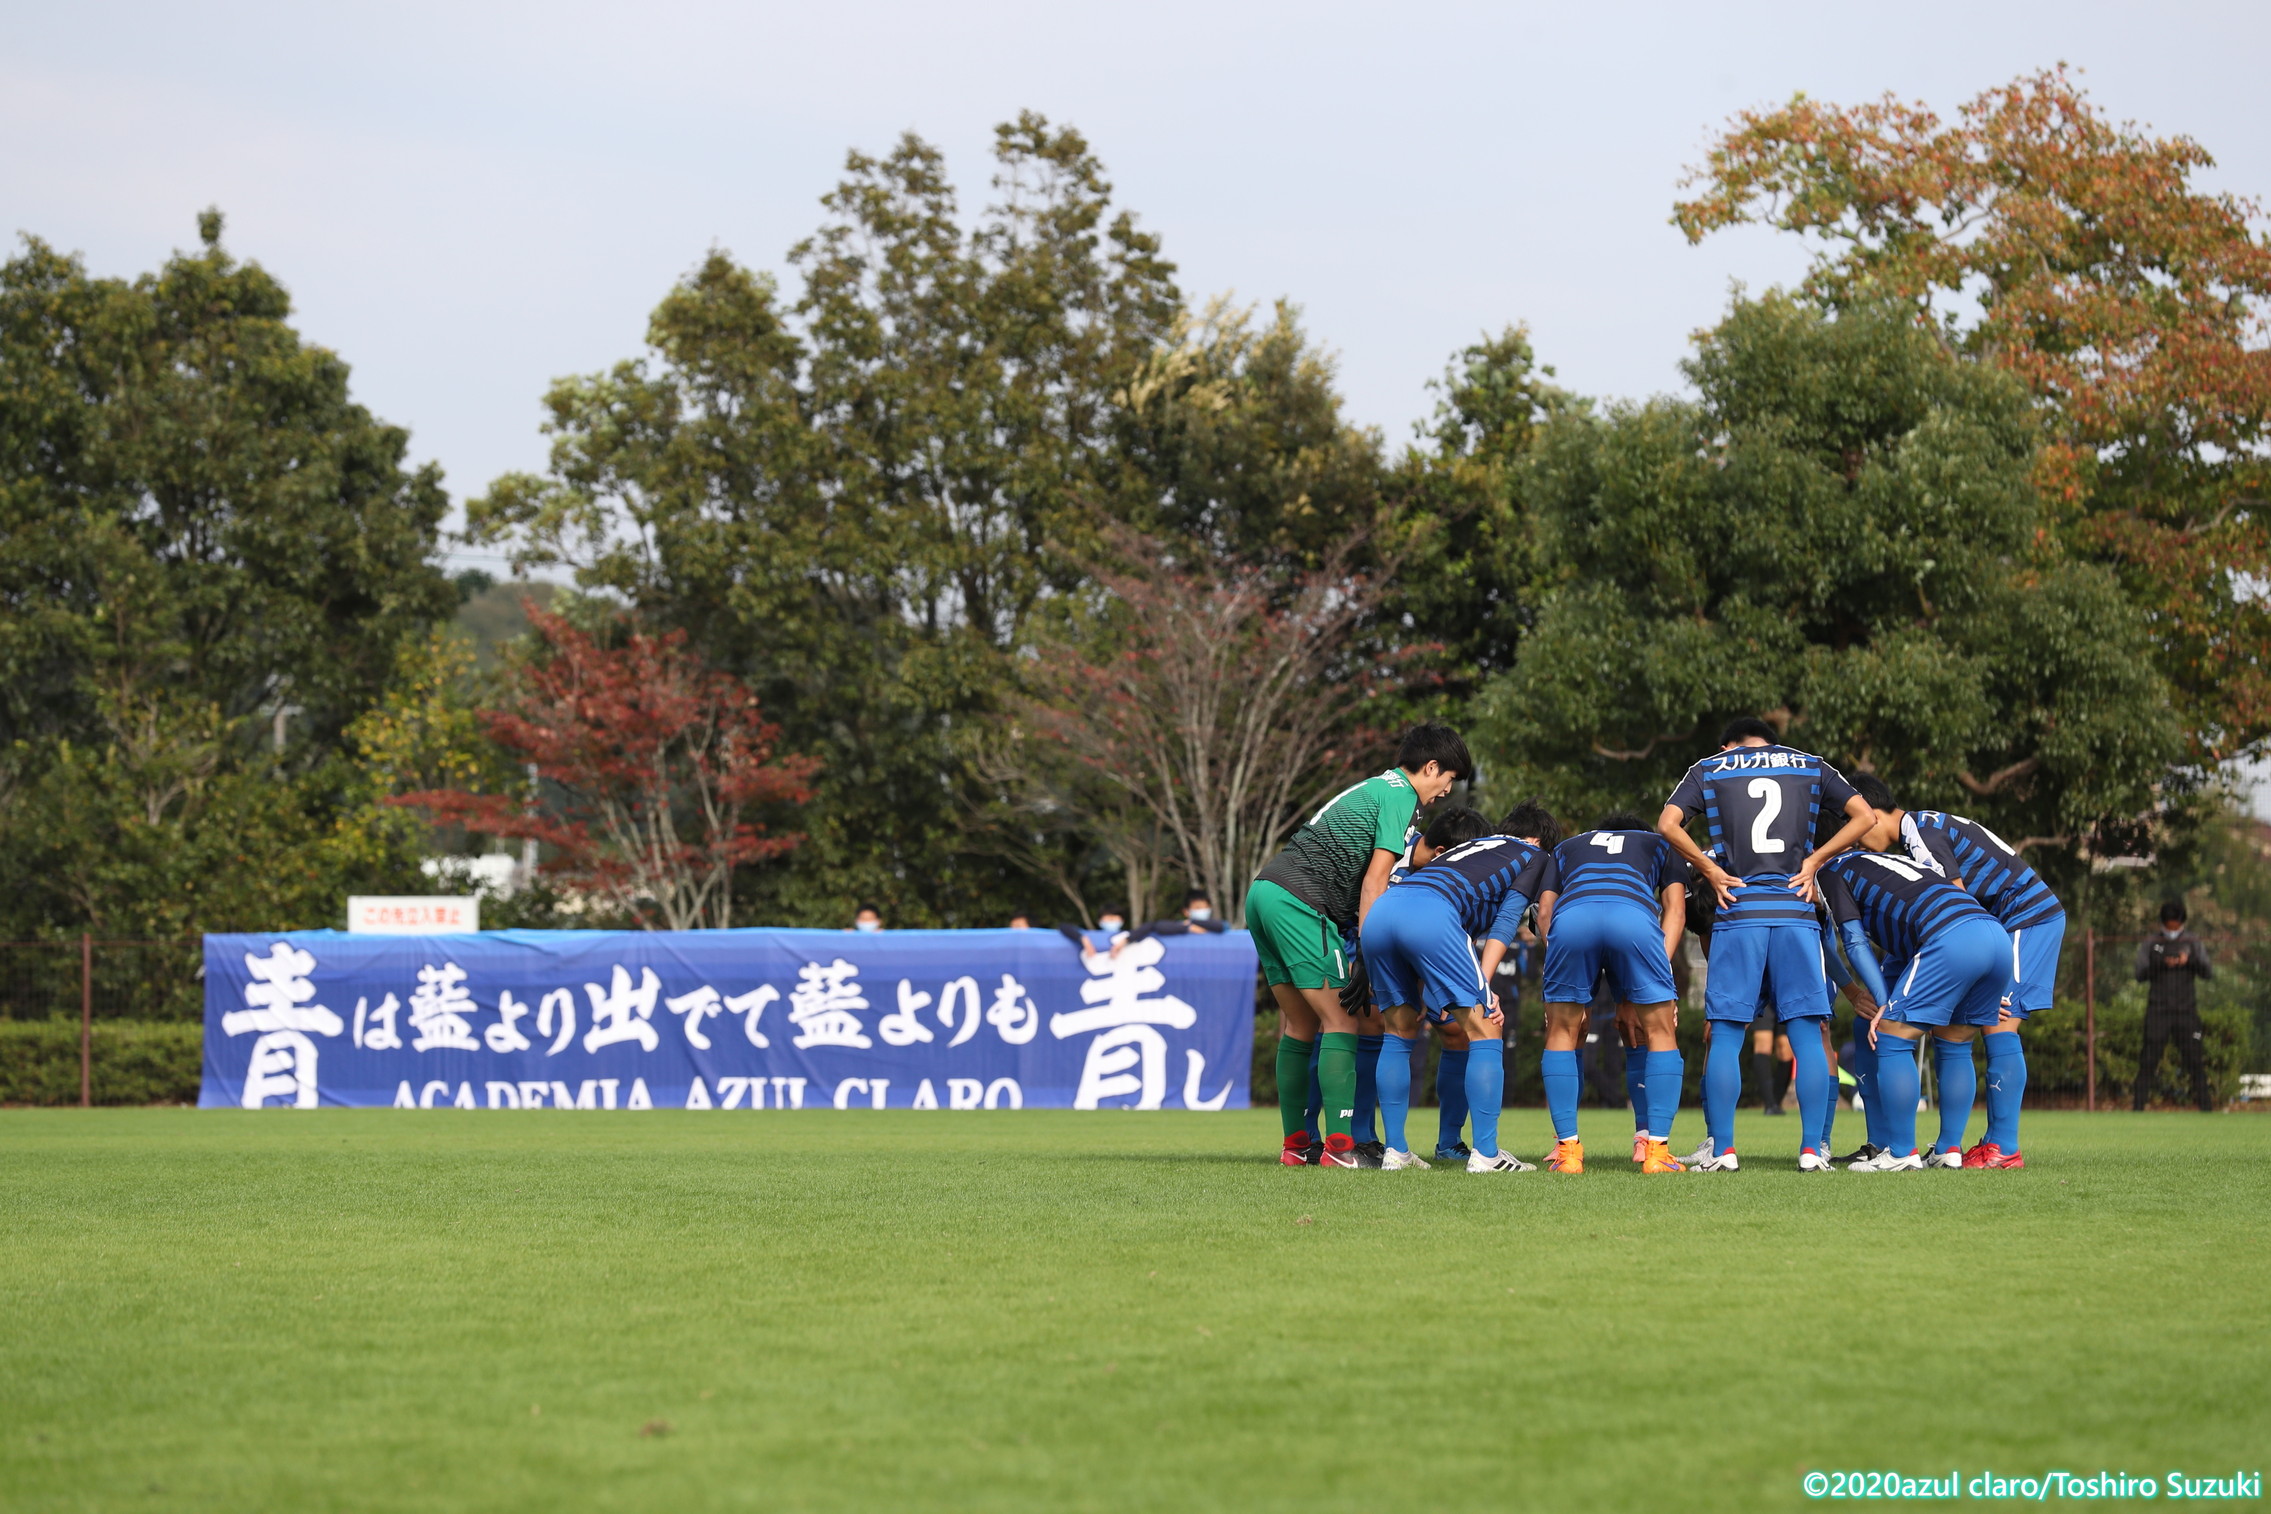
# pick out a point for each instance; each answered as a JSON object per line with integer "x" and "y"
{"x": 2090, "y": 1016}
{"x": 86, "y": 1020}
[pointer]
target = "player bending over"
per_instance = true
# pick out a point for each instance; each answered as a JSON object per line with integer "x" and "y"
{"x": 1317, "y": 889}
{"x": 1419, "y": 949}
{"x": 1614, "y": 900}
{"x": 1983, "y": 865}
{"x": 1951, "y": 973}
{"x": 1760, "y": 799}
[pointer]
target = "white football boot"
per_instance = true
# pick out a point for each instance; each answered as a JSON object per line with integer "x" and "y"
{"x": 1402, "y": 1161}
{"x": 1913, "y": 1162}
{"x": 1813, "y": 1161}
{"x": 1945, "y": 1159}
{"x": 1703, "y": 1162}
{"x": 1505, "y": 1161}
{"x": 1699, "y": 1156}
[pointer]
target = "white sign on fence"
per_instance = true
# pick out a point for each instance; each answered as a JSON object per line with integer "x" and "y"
{"x": 412, "y": 914}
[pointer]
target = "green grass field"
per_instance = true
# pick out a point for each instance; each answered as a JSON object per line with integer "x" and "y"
{"x": 433, "y": 1311}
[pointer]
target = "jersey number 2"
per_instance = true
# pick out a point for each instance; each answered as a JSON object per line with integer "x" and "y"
{"x": 1770, "y": 792}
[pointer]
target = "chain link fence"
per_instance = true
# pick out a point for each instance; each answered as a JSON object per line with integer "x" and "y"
{"x": 120, "y": 1019}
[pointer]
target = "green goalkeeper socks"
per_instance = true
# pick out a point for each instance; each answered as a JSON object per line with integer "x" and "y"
{"x": 1293, "y": 1083}
{"x": 1336, "y": 1075}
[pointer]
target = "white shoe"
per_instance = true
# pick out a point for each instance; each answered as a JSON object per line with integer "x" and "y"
{"x": 1727, "y": 1163}
{"x": 1813, "y": 1161}
{"x": 1945, "y": 1159}
{"x": 1913, "y": 1162}
{"x": 1505, "y": 1161}
{"x": 1699, "y": 1156}
{"x": 1399, "y": 1161}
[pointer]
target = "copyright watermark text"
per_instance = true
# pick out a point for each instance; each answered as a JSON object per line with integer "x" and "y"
{"x": 2039, "y": 1487}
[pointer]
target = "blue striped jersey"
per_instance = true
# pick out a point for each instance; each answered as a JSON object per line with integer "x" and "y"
{"x": 1489, "y": 882}
{"x": 1899, "y": 904}
{"x": 1760, "y": 803}
{"x": 1613, "y": 867}
{"x": 1990, "y": 869}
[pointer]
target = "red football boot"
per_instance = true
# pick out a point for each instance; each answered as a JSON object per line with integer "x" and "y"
{"x": 1296, "y": 1153}
{"x": 1977, "y": 1155}
{"x": 2006, "y": 1161}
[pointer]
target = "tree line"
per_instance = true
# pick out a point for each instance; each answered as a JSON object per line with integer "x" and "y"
{"x": 974, "y": 568}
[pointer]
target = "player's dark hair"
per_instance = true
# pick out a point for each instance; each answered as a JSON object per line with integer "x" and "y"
{"x": 1195, "y": 895}
{"x": 1455, "y": 827}
{"x": 2172, "y": 909}
{"x": 1744, "y": 727}
{"x": 1874, "y": 789}
{"x": 868, "y": 909}
{"x": 1620, "y": 820}
{"x": 1531, "y": 818}
{"x": 1435, "y": 743}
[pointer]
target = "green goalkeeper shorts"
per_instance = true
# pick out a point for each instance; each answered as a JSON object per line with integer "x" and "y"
{"x": 1296, "y": 944}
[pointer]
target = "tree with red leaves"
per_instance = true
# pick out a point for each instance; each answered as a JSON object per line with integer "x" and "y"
{"x": 2036, "y": 234}
{"x": 650, "y": 765}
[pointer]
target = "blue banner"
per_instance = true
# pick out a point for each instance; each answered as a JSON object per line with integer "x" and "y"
{"x": 733, "y": 1019}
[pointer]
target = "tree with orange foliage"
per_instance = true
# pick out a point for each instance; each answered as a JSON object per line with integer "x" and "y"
{"x": 650, "y": 765}
{"x": 2034, "y": 233}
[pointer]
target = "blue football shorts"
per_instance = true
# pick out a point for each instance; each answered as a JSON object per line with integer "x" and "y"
{"x": 1417, "y": 953}
{"x": 1622, "y": 940}
{"x": 1958, "y": 977}
{"x": 1751, "y": 965}
{"x": 2034, "y": 963}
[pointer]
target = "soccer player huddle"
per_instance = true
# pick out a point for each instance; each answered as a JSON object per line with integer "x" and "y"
{"x": 1368, "y": 927}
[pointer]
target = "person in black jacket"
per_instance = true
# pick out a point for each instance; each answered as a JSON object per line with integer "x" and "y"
{"x": 2168, "y": 964}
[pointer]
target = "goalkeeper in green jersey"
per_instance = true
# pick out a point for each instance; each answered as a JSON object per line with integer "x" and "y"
{"x": 1310, "y": 900}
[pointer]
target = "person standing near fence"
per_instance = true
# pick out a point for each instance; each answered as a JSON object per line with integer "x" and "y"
{"x": 2168, "y": 965}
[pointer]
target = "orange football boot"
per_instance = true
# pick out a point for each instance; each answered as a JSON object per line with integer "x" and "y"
{"x": 1660, "y": 1159}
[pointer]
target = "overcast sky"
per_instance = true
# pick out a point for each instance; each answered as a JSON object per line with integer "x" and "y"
{"x": 469, "y": 199}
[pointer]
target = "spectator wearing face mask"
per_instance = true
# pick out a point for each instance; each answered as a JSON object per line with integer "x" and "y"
{"x": 1197, "y": 918}
{"x": 1111, "y": 930}
{"x": 868, "y": 920}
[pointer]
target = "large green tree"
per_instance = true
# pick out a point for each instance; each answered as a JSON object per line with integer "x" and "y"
{"x": 1840, "y": 530}
{"x": 209, "y": 557}
{"x": 859, "y": 502}
{"x": 1455, "y": 534}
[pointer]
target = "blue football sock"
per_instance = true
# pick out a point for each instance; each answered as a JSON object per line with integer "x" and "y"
{"x": 2006, "y": 1088}
{"x": 1394, "y": 1088}
{"x": 1666, "y": 1071}
{"x": 1316, "y": 1094}
{"x": 1636, "y": 1086}
{"x": 1863, "y": 1065}
{"x": 1367, "y": 1088}
{"x": 1896, "y": 1090}
{"x": 1559, "y": 1069}
{"x": 1486, "y": 1085}
{"x": 1959, "y": 1086}
{"x": 1810, "y": 1074}
{"x": 1723, "y": 1084}
{"x": 1450, "y": 1097}
{"x": 1829, "y": 1114}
